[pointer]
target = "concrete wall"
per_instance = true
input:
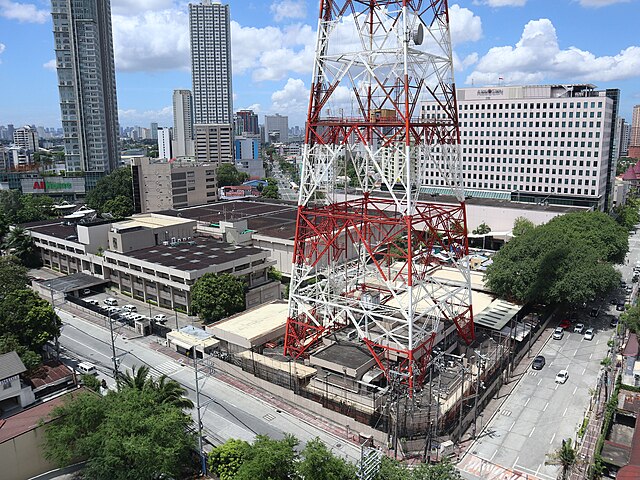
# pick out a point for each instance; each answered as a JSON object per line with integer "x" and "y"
{"x": 500, "y": 218}
{"x": 94, "y": 236}
{"x": 21, "y": 457}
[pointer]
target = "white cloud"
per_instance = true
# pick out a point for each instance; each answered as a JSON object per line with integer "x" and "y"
{"x": 501, "y": 3}
{"x": 293, "y": 97}
{"x": 2, "y": 48}
{"x": 151, "y": 41}
{"x": 282, "y": 9}
{"x": 465, "y": 25}
{"x": 537, "y": 56}
{"x": 23, "y": 12}
{"x": 131, "y": 7}
{"x": 600, "y": 3}
{"x": 50, "y": 65}
{"x": 135, "y": 117}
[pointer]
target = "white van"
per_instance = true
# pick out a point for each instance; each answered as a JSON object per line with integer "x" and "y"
{"x": 86, "y": 368}
{"x": 110, "y": 301}
{"x": 129, "y": 308}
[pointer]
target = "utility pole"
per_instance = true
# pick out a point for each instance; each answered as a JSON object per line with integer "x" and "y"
{"x": 195, "y": 367}
{"x": 113, "y": 353}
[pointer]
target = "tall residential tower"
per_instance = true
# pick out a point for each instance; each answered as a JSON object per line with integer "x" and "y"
{"x": 211, "y": 62}
{"x": 87, "y": 85}
{"x": 182, "y": 123}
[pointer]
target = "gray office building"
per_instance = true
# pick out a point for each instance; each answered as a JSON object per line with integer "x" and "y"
{"x": 211, "y": 63}
{"x": 87, "y": 85}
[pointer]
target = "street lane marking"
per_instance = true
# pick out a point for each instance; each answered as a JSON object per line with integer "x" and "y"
{"x": 591, "y": 355}
{"x": 545, "y": 407}
{"x": 494, "y": 454}
{"x": 527, "y": 402}
{"x": 565, "y": 411}
{"x": 539, "y": 381}
{"x": 512, "y": 425}
{"x": 534, "y": 429}
{"x": 585, "y": 369}
{"x": 575, "y": 390}
{"x": 514, "y": 463}
{"x": 552, "y": 439}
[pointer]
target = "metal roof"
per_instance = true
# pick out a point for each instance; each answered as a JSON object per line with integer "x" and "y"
{"x": 497, "y": 314}
{"x": 10, "y": 365}
{"x": 77, "y": 281}
{"x": 467, "y": 193}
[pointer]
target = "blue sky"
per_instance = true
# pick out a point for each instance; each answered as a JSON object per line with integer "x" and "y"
{"x": 523, "y": 41}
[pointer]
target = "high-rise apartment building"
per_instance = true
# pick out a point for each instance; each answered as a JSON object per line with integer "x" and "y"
{"x": 164, "y": 142}
{"x": 154, "y": 131}
{"x": 209, "y": 25}
{"x": 626, "y": 138}
{"x": 634, "y": 134}
{"x": 87, "y": 85}
{"x": 276, "y": 128}
{"x": 182, "y": 123}
{"x": 214, "y": 143}
{"x": 26, "y": 137}
{"x": 538, "y": 143}
{"x": 246, "y": 123}
{"x": 617, "y": 138}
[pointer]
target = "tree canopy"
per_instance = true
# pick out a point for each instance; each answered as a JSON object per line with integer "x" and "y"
{"x": 27, "y": 323}
{"x": 16, "y": 208}
{"x": 118, "y": 207}
{"x": 279, "y": 460}
{"x": 19, "y": 243}
{"x": 627, "y": 215}
{"x": 123, "y": 435}
{"x": 165, "y": 389}
{"x": 271, "y": 190}
{"x": 216, "y": 296}
{"x": 482, "y": 229}
{"x": 118, "y": 183}
{"x": 228, "y": 174}
{"x": 568, "y": 260}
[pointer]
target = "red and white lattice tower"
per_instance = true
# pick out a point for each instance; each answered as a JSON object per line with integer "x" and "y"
{"x": 366, "y": 257}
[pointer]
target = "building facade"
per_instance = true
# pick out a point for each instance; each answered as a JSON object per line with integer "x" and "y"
{"x": 159, "y": 184}
{"x": 26, "y": 137}
{"x": 634, "y": 134}
{"x": 163, "y": 135}
{"x": 546, "y": 143}
{"x": 209, "y": 25}
{"x": 276, "y": 128}
{"x": 214, "y": 143}
{"x": 87, "y": 85}
{"x": 182, "y": 123}
{"x": 246, "y": 123}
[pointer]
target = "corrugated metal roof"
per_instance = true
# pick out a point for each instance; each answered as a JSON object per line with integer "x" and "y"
{"x": 496, "y": 315}
{"x": 467, "y": 193}
{"x": 10, "y": 365}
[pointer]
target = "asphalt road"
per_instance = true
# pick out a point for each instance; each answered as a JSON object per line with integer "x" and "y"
{"x": 229, "y": 412}
{"x": 540, "y": 413}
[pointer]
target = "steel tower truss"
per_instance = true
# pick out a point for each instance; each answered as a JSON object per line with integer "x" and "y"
{"x": 364, "y": 258}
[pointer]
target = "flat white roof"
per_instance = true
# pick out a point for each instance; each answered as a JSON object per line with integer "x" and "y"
{"x": 253, "y": 327}
{"x": 152, "y": 220}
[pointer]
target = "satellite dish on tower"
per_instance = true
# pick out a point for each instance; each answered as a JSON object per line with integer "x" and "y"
{"x": 418, "y": 35}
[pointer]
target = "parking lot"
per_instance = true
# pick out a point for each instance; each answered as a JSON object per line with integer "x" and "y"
{"x": 540, "y": 413}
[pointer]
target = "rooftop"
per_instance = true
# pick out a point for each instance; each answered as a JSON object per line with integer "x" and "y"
{"x": 74, "y": 282}
{"x": 10, "y": 365}
{"x": 194, "y": 255}
{"x": 48, "y": 374}
{"x": 150, "y": 220}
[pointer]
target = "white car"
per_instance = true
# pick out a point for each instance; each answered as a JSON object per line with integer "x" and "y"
{"x": 160, "y": 318}
{"x": 93, "y": 302}
{"x": 130, "y": 308}
{"x": 562, "y": 376}
{"x": 110, "y": 301}
{"x": 588, "y": 334}
{"x": 558, "y": 333}
{"x": 579, "y": 328}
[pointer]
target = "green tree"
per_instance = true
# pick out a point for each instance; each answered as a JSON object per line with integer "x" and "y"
{"x": 269, "y": 459}
{"x": 27, "y": 322}
{"x": 118, "y": 183}
{"x": 482, "y": 229}
{"x": 91, "y": 382}
{"x": 225, "y": 460}
{"x": 318, "y": 463}
{"x": 568, "y": 260}
{"x": 216, "y": 296}
{"x": 627, "y": 215}
{"x": 444, "y": 470}
{"x": 631, "y": 318}
{"x": 271, "y": 190}
{"x": 521, "y": 226}
{"x": 13, "y": 276}
{"x": 228, "y": 174}
{"x": 34, "y": 208}
{"x": 165, "y": 389}
{"x": 124, "y": 435}
{"x": 119, "y": 207}
{"x": 19, "y": 243}
{"x": 566, "y": 457}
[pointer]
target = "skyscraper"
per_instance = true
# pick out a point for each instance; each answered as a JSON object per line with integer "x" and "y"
{"x": 164, "y": 142}
{"x": 276, "y": 128}
{"x": 182, "y": 123}
{"x": 634, "y": 136}
{"x": 211, "y": 63}
{"x": 87, "y": 85}
{"x": 247, "y": 122}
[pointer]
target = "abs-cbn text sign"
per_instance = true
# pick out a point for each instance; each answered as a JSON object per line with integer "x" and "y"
{"x": 53, "y": 185}
{"x": 490, "y": 91}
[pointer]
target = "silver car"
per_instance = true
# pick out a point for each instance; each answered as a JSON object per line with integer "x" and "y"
{"x": 558, "y": 333}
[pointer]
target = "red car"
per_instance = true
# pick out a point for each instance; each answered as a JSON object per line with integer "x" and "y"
{"x": 566, "y": 323}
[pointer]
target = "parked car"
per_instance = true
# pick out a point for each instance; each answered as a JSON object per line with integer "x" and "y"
{"x": 160, "y": 318}
{"x": 558, "y": 333}
{"x": 588, "y": 334}
{"x": 562, "y": 376}
{"x": 620, "y": 307}
{"x": 93, "y": 302}
{"x": 129, "y": 308}
{"x": 594, "y": 312}
{"x": 579, "y": 328}
{"x": 86, "y": 368}
{"x": 86, "y": 292}
{"x": 110, "y": 301}
{"x": 538, "y": 362}
{"x": 613, "y": 301}
{"x": 629, "y": 288}
{"x": 614, "y": 322}
{"x": 566, "y": 323}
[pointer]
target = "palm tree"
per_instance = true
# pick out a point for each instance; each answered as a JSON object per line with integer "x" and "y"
{"x": 165, "y": 389}
{"x": 19, "y": 243}
{"x": 566, "y": 457}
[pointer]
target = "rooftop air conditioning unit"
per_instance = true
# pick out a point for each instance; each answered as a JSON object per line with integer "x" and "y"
{"x": 165, "y": 243}
{"x": 173, "y": 239}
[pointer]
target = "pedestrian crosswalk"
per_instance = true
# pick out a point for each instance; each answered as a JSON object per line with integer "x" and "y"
{"x": 481, "y": 468}
{"x": 167, "y": 368}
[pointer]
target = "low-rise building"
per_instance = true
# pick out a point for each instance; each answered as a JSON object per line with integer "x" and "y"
{"x": 14, "y": 393}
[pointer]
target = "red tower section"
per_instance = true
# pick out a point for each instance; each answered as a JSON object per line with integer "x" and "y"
{"x": 370, "y": 246}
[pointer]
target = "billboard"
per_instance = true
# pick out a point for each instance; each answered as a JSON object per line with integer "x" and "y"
{"x": 53, "y": 185}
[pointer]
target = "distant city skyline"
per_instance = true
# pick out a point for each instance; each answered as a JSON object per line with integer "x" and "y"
{"x": 495, "y": 41}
